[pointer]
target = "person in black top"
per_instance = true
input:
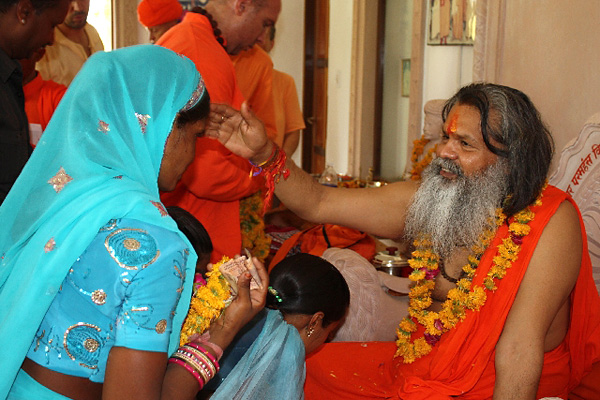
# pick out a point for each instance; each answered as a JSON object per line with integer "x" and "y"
{"x": 25, "y": 26}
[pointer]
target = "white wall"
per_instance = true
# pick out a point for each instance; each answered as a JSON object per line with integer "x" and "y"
{"x": 447, "y": 68}
{"x": 338, "y": 85}
{"x": 394, "y": 133}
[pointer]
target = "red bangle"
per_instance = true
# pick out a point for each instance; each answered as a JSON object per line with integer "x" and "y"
{"x": 190, "y": 369}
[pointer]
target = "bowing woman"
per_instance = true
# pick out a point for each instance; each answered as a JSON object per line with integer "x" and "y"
{"x": 95, "y": 277}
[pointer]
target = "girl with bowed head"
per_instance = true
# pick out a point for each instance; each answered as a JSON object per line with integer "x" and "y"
{"x": 95, "y": 277}
{"x": 308, "y": 299}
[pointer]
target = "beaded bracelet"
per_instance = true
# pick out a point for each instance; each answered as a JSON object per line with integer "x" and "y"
{"x": 200, "y": 364}
{"x": 207, "y": 366}
{"x": 191, "y": 360}
{"x": 205, "y": 352}
{"x": 272, "y": 169}
{"x": 198, "y": 361}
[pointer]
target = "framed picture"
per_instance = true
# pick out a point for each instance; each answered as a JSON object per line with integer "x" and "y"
{"x": 451, "y": 22}
{"x": 406, "y": 77}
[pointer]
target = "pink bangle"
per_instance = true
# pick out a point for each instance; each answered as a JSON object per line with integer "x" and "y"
{"x": 190, "y": 369}
{"x": 212, "y": 358}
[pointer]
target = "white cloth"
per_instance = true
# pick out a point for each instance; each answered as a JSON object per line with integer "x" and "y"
{"x": 374, "y": 314}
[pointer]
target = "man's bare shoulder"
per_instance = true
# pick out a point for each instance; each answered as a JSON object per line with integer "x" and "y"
{"x": 563, "y": 229}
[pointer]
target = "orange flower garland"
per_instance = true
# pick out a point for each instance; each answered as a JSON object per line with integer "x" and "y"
{"x": 419, "y": 166}
{"x": 464, "y": 296}
{"x": 207, "y": 304}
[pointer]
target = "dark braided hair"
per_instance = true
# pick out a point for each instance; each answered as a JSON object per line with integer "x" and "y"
{"x": 306, "y": 284}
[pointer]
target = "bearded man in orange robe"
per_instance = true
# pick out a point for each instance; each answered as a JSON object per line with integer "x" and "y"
{"x": 503, "y": 303}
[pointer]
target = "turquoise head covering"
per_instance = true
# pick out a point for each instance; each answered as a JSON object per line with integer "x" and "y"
{"x": 98, "y": 159}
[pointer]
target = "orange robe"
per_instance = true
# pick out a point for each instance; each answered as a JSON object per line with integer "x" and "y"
{"x": 462, "y": 362}
{"x": 41, "y": 99}
{"x": 288, "y": 114}
{"x": 217, "y": 179}
{"x": 254, "y": 74}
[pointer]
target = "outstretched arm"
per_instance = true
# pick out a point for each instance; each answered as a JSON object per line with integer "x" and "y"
{"x": 379, "y": 211}
{"x": 539, "y": 317}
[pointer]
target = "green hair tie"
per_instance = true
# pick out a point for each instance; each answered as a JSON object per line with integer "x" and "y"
{"x": 275, "y": 293}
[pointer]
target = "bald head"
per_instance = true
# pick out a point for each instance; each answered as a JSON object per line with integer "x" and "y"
{"x": 242, "y": 22}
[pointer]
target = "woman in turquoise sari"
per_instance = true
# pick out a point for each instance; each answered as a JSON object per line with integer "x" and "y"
{"x": 95, "y": 277}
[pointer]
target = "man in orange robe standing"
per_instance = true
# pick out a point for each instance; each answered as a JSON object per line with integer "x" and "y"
{"x": 503, "y": 302}
{"x": 254, "y": 73}
{"x": 215, "y": 182}
{"x": 288, "y": 115}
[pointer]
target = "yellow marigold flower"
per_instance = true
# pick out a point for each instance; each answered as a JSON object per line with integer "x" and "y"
{"x": 497, "y": 272}
{"x": 477, "y": 298}
{"x": 457, "y": 295}
{"x": 417, "y": 263}
{"x": 421, "y": 303}
{"x": 464, "y": 284}
{"x": 417, "y": 275}
{"x": 430, "y": 255}
{"x": 421, "y": 347}
{"x": 519, "y": 229}
{"x": 419, "y": 290}
{"x": 489, "y": 284}
{"x": 408, "y": 356}
{"x": 447, "y": 316}
{"x": 407, "y": 325}
{"x": 524, "y": 216}
{"x": 429, "y": 322}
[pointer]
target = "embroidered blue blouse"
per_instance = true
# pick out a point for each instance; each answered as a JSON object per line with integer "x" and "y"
{"x": 122, "y": 291}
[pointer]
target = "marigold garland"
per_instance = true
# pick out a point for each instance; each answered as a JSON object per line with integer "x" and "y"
{"x": 464, "y": 296}
{"x": 207, "y": 304}
{"x": 252, "y": 226}
{"x": 419, "y": 166}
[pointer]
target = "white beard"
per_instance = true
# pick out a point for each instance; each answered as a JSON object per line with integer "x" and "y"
{"x": 454, "y": 213}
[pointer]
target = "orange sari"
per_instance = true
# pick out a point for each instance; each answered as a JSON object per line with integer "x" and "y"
{"x": 462, "y": 362}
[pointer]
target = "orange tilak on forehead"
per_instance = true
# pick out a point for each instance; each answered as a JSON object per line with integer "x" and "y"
{"x": 452, "y": 125}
